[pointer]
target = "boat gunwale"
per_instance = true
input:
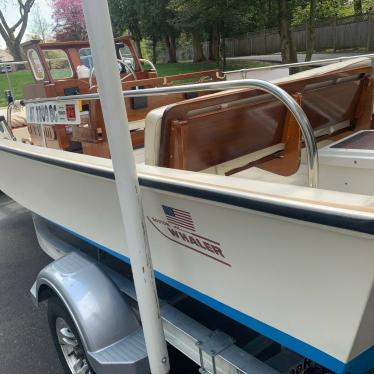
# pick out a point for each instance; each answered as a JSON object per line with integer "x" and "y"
{"x": 346, "y": 217}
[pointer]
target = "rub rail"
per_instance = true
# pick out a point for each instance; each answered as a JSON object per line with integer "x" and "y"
{"x": 280, "y": 94}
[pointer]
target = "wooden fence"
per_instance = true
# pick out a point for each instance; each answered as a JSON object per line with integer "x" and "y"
{"x": 355, "y": 32}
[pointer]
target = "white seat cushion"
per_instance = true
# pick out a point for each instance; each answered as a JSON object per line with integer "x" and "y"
{"x": 18, "y": 119}
{"x": 137, "y": 125}
{"x": 152, "y": 135}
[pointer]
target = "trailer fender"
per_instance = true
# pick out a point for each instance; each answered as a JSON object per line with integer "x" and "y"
{"x": 100, "y": 313}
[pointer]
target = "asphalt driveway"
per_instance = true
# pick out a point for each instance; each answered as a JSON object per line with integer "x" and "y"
{"x": 25, "y": 344}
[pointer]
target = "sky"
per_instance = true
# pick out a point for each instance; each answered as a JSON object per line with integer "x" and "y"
{"x": 12, "y": 15}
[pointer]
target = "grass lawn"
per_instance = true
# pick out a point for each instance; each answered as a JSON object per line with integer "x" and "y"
{"x": 20, "y": 78}
{"x": 17, "y": 79}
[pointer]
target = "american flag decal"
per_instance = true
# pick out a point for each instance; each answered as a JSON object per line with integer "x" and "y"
{"x": 179, "y": 218}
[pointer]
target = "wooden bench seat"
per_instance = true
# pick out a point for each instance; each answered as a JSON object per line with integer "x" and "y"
{"x": 233, "y": 130}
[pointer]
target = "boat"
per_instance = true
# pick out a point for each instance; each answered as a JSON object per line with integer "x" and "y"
{"x": 66, "y": 68}
{"x": 262, "y": 212}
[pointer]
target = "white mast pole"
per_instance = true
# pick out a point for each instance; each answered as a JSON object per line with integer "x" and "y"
{"x": 100, "y": 34}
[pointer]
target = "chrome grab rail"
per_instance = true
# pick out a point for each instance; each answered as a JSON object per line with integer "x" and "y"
{"x": 150, "y": 63}
{"x": 4, "y": 124}
{"x": 280, "y": 94}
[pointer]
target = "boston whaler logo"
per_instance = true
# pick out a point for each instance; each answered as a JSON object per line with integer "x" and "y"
{"x": 179, "y": 227}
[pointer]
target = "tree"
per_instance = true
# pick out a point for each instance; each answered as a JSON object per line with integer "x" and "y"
{"x": 287, "y": 45}
{"x": 270, "y": 14}
{"x": 151, "y": 19}
{"x": 171, "y": 44}
{"x": 168, "y": 30}
{"x": 189, "y": 17}
{"x": 198, "y": 52}
{"x": 40, "y": 26}
{"x": 13, "y": 35}
{"x": 146, "y": 18}
{"x": 125, "y": 16}
{"x": 216, "y": 18}
{"x": 155, "y": 18}
{"x": 213, "y": 43}
{"x": 357, "y": 7}
{"x": 311, "y": 30}
{"x": 171, "y": 34}
{"x": 69, "y": 18}
{"x": 324, "y": 9}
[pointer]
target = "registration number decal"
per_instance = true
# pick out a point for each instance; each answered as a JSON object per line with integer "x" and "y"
{"x": 54, "y": 113}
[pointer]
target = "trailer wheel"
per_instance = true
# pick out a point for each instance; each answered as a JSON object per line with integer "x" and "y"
{"x": 66, "y": 339}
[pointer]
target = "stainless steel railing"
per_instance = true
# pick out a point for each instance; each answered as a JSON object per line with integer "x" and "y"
{"x": 5, "y": 128}
{"x": 150, "y": 63}
{"x": 280, "y": 94}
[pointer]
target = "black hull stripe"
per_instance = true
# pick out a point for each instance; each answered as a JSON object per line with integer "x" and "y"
{"x": 65, "y": 164}
{"x": 341, "y": 221}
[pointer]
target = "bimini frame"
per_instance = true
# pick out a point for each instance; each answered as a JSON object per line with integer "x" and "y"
{"x": 96, "y": 12}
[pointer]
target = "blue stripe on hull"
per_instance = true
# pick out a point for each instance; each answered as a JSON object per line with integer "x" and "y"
{"x": 358, "y": 365}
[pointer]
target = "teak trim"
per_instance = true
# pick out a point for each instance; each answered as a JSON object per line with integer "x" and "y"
{"x": 290, "y": 164}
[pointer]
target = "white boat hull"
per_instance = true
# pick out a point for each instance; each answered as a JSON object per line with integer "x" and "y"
{"x": 263, "y": 261}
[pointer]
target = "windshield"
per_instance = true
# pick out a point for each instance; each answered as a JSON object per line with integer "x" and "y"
{"x": 86, "y": 57}
{"x": 58, "y": 63}
{"x": 127, "y": 56}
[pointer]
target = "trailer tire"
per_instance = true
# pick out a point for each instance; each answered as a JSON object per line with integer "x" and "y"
{"x": 66, "y": 339}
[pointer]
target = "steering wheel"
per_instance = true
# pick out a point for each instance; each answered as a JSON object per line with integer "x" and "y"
{"x": 124, "y": 66}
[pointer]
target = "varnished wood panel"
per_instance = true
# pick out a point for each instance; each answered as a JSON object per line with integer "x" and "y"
{"x": 207, "y": 131}
{"x": 101, "y": 149}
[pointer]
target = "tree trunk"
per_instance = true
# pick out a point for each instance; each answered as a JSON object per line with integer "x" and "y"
{"x": 214, "y": 44}
{"x": 167, "y": 43}
{"x": 269, "y": 12}
{"x": 222, "y": 52}
{"x": 154, "y": 51}
{"x": 358, "y": 7}
{"x": 198, "y": 53}
{"x": 138, "y": 48}
{"x": 15, "y": 49}
{"x": 310, "y": 31}
{"x": 287, "y": 46}
{"x": 172, "y": 48}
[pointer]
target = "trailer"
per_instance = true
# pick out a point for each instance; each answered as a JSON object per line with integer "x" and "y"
{"x": 112, "y": 340}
